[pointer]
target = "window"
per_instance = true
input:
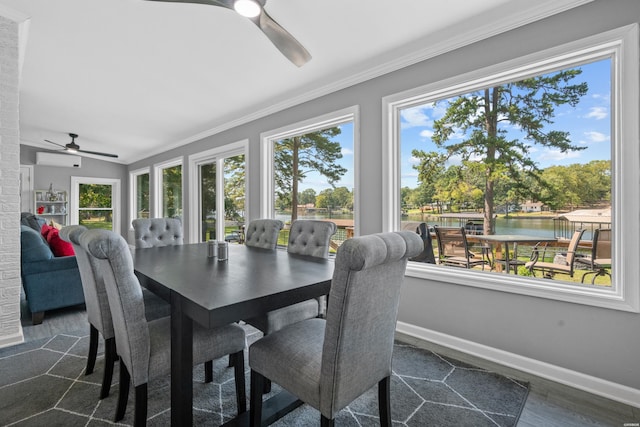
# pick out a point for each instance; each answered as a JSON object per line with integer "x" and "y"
{"x": 309, "y": 172}
{"x": 169, "y": 189}
{"x": 220, "y": 175}
{"x": 139, "y": 194}
{"x": 482, "y": 134}
{"x": 95, "y": 203}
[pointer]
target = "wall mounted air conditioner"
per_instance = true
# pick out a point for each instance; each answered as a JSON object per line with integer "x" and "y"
{"x": 60, "y": 160}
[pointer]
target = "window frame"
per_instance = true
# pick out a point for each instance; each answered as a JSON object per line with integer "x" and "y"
{"x": 621, "y": 45}
{"x": 133, "y": 193}
{"x": 158, "y": 168}
{"x": 268, "y": 138}
{"x": 74, "y": 199}
{"x": 217, "y": 155}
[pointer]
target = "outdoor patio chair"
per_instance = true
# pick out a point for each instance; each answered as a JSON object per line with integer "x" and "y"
{"x": 549, "y": 269}
{"x": 600, "y": 258}
{"x": 453, "y": 249}
{"x": 329, "y": 363}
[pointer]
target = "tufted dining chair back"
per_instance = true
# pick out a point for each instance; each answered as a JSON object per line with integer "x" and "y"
{"x": 144, "y": 347}
{"x": 311, "y": 237}
{"x": 154, "y": 232}
{"x": 97, "y": 307}
{"x": 263, "y": 233}
{"x": 328, "y": 363}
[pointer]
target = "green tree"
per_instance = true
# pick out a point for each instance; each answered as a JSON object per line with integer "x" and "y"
{"x": 234, "y": 187}
{"x": 95, "y": 196}
{"x": 307, "y": 196}
{"x": 172, "y": 191}
{"x": 430, "y": 169}
{"x": 295, "y": 157}
{"x": 483, "y": 117}
{"x": 324, "y": 200}
{"x": 342, "y": 198}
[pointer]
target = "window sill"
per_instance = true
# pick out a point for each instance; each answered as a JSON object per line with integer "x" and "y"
{"x": 541, "y": 288}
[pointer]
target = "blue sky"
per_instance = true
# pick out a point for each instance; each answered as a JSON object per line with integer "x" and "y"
{"x": 318, "y": 182}
{"x": 589, "y": 124}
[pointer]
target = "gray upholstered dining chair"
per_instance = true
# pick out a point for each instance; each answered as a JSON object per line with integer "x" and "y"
{"x": 154, "y": 232}
{"x": 97, "y": 308}
{"x": 144, "y": 346}
{"x": 263, "y": 233}
{"x": 327, "y": 363}
{"x": 98, "y": 312}
{"x": 308, "y": 238}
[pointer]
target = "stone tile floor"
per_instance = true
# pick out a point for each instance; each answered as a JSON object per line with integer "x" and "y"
{"x": 43, "y": 383}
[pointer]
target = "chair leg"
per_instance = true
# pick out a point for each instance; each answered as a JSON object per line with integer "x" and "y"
{"x": 230, "y": 361}
{"x": 123, "y": 396}
{"x": 208, "y": 371}
{"x": 267, "y": 386}
{"x": 93, "y": 349}
{"x": 140, "y": 418}
{"x": 384, "y": 401}
{"x": 326, "y": 422}
{"x": 238, "y": 372}
{"x": 109, "y": 361}
{"x": 255, "y": 411}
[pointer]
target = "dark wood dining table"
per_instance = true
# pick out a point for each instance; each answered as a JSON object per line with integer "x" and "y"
{"x": 213, "y": 293}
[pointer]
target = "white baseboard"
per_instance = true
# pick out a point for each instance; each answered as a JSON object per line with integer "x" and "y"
{"x": 618, "y": 392}
{"x": 9, "y": 340}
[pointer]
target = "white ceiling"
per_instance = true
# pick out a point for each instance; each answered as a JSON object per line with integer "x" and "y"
{"x": 137, "y": 77}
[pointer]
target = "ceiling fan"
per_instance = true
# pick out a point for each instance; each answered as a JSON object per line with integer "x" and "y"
{"x": 72, "y": 147}
{"x": 254, "y": 10}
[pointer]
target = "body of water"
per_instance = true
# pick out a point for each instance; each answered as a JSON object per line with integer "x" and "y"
{"x": 543, "y": 227}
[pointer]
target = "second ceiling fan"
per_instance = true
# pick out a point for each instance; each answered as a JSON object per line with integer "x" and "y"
{"x": 72, "y": 147}
{"x": 254, "y": 10}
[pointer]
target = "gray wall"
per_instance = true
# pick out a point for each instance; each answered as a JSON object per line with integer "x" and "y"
{"x": 61, "y": 177}
{"x": 598, "y": 342}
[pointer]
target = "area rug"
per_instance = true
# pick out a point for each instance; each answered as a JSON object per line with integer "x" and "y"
{"x": 43, "y": 383}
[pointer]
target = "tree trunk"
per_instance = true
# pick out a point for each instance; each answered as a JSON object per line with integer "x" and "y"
{"x": 295, "y": 178}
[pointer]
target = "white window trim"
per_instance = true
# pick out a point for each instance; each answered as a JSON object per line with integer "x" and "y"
{"x": 267, "y": 189}
{"x": 133, "y": 192}
{"x": 218, "y": 155}
{"x": 157, "y": 186}
{"x": 74, "y": 198}
{"x": 623, "y": 44}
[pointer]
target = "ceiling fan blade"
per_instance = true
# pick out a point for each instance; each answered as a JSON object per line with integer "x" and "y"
{"x": 282, "y": 39}
{"x": 55, "y": 143}
{"x": 222, "y": 3}
{"x": 98, "y": 153}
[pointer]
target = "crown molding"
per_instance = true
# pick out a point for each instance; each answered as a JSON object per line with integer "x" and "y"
{"x": 520, "y": 16}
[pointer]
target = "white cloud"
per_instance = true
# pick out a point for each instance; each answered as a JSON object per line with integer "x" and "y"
{"x": 413, "y": 160}
{"x": 556, "y": 155}
{"x": 346, "y": 151}
{"x": 594, "y": 136}
{"x": 427, "y": 133}
{"x": 416, "y": 116}
{"x": 597, "y": 113}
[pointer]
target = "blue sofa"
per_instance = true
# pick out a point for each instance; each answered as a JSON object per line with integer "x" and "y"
{"x": 49, "y": 282}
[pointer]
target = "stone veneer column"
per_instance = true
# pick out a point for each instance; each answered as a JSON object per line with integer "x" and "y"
{"x": 10, "y": 329}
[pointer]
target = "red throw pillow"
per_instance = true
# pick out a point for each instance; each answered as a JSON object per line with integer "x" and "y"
{"x": 46, "y": 228}
{"x": 58, "y": 246}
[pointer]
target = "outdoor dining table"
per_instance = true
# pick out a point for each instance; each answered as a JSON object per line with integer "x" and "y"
{"x": 213, "y": 293}
{"x": 499, "y": 239}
